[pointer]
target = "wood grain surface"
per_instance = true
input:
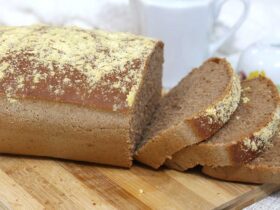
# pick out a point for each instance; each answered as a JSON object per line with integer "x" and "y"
{"x": 37, "y": 183}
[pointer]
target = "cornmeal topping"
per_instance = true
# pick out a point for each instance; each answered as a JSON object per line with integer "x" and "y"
{"x": 246, "y": 89}
{"x": 250, "y": 144}
{"x": 111, "y": 63}
{"x": 245, "y": 100}
{"x": 222, "y": 111}
{"x": 262, "y": 138}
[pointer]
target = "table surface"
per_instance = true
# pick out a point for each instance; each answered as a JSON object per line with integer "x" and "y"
{"x": 38, "y": 183}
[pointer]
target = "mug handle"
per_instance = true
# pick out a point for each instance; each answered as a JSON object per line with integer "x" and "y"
{"x": 217, "y": 9}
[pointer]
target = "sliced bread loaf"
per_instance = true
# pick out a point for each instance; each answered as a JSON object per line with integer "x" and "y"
{"x": 247, "y": 133}
{"x": 263, "y": 169}
{"x": 191, "y": 112}
{"x": 76, "y": 94}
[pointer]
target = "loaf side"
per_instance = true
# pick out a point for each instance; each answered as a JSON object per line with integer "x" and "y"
{"x": 34, "y": 127}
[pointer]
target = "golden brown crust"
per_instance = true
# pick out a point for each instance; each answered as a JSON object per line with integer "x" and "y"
{"x": 195, "y": 129}
{"x": 239, "y": 153}
{"x": 202, "y": 128}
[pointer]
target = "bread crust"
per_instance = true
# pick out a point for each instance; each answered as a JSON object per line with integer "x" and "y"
{"x": 235, "y": 153}
{"x": 92, "y": 68}
{"x": 44, "y": 128}
{"x": 195, "y": 129}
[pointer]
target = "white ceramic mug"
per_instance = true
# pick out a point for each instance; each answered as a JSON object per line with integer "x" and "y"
{"x": 185, "y": 27}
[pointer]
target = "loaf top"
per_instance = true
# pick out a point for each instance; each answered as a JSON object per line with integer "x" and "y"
{"x": 70, "y": 65}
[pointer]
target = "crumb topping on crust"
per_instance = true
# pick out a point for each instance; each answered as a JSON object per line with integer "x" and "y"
{"x": 262, "y": 138}
{"x": 221, "y": 112}
{"x": 72, "y": 65}
{"x": 245, "y": 100}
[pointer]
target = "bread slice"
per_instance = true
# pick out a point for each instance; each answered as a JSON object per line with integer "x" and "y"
{"x": 76, "y": 94}
{"x": 263, "y": 169}
{"x": 245, "y": 135}
{"x": 191, "y": 112}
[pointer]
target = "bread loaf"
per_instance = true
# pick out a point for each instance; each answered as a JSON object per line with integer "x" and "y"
{"x": 191, "y": 112}
{"x": 246, "y": 134}
{"x": 76, "y": 94}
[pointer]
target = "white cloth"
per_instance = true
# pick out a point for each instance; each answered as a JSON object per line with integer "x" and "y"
{"x": 114, "y": 15}
{"x": 111, "y": 15}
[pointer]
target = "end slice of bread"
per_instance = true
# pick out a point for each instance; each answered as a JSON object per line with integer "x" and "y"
{"x": 191, "y": 112}
{"x": 263, "y": 169}
{"x": 246, "y": 134}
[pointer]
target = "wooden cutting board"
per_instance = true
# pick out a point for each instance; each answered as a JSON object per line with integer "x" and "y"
{"x": 27, "y": 183}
